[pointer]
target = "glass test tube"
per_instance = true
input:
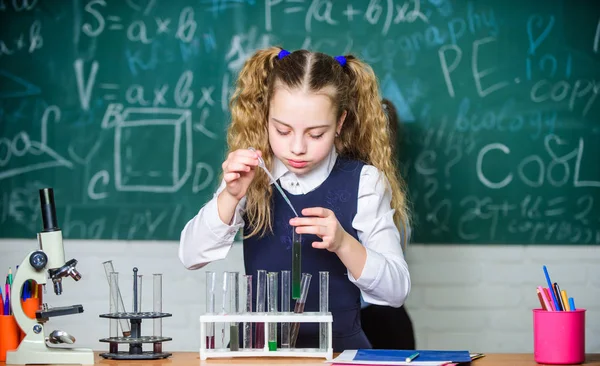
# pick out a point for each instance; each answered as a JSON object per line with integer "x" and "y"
{"x": 247, "y": 335}
{"x": 285, "y": 307}
{"x": 272, "y": 300}
{"x": 113, "y": 325}
{"x": 234, "y": 308}
{"x": 136, "y": 324}
{"x": 261, "y": 290}
{"x": 210, "y": 308}
{"x": 124, "y": 323}
{"x": 323, "y": 308}
{"x": 299, "y": 307}
{"x": 296, "y": 263}
{"x": 157, "y": 309}
{"x": 137, "y": 291}
{"x": 224, "y": 305}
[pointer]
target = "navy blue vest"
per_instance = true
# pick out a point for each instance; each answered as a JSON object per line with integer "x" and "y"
{"x": 273, "y": 252}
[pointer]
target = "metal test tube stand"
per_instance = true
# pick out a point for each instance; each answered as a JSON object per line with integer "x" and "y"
{"x": 135, "y": 340}
{"x": 269, "y": 319}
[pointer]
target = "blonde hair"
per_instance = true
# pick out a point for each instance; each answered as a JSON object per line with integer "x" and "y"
{"x": 365, "y": 134}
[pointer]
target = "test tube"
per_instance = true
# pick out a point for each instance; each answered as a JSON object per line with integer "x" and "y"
{"x": 285, "y": 307}
{"x": 136, "y": 324}
{"x": 323, "y": 308}
{"x": 224, "y": 305}
{"x": 261, "y": 290}
{"x": 124, "y": 323}
{"x": 272, "y": 300}
{"x": 210, "y": 308}
{"x": 247, "y": 335}
{"x": 299, "y": 307}
{"x": 157, "y": 308}
{"x": 113, "y": 325}
{"x": 296, "y": 263}
{"x": 137, "y": 291}
{"x": 234, "y": 304}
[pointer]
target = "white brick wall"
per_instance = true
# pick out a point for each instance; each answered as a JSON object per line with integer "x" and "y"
{"x": 463, "y": 297}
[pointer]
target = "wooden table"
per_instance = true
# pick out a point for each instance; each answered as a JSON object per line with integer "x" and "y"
{"x": 192, "y": 359}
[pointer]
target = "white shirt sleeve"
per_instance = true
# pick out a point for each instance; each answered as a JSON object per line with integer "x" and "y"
{"x": 385, "y": 280}
{"x": 205, "y": 238}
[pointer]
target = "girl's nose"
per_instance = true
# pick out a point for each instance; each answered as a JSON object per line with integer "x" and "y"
{"x": 298, "y": 145}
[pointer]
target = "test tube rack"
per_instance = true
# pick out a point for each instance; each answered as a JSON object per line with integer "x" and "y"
{"x": 306, "y": 317}
{"x": 135, "y": 343}
{"x": 133, "y": 336}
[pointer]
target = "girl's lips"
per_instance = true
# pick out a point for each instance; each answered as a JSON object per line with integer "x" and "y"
{"x": 297, "y": 163}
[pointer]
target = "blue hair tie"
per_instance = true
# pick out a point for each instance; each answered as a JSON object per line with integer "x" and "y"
{"x": 283, "y": 53}
{"x": 341, "y": 60}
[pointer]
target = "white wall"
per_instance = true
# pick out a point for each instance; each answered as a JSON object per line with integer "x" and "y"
{"x": 464, "y": 297}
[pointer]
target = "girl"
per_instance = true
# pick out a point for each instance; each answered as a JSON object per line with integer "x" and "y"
{"x": 319, "y": 125}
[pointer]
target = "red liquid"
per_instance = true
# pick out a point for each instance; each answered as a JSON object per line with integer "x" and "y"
{"x": 210, "y": 342}
{"x": 259, "y": 335}
{"x": 114, "y": 347}
{"x": 298, "y": 308}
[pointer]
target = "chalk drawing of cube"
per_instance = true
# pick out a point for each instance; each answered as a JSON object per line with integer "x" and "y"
{"x": 153, "y": 149}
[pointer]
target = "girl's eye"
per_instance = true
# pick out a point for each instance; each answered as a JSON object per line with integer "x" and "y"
{"x": 283, "y": 133}
{"x": 316, "y": 137}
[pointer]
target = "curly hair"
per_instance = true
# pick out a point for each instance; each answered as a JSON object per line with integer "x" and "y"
{"x": 365, "y": 134}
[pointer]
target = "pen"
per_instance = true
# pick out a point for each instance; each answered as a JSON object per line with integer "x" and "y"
{"x": 543, "y": 299}
{"x": 554, "y": 300}
{"x": 564, "y": 298}
{"x": 412, "y": 357}
{"x": 572, "y": 304}
{"x": 556, "y": 290}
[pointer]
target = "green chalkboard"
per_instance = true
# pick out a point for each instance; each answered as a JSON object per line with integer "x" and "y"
{"x": 121, "y": 107}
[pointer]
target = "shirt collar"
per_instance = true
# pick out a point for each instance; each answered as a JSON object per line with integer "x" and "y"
{"x": 310, "y": 180}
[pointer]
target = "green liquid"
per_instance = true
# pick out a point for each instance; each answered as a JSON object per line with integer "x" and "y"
{"x": 272, "y": 345}
{"x": 296, "y": 269}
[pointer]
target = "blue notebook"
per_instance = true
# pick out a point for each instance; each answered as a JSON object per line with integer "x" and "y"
{"x": 383, "y": 355}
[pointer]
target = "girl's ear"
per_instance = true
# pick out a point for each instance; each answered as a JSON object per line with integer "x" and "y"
{"x": 340, "y": 123}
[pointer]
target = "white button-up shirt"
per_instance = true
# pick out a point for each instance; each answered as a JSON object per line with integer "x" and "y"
{"x": 385, "y": 279}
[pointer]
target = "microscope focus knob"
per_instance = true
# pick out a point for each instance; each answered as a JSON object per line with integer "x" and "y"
{"x": 38, "y": 260}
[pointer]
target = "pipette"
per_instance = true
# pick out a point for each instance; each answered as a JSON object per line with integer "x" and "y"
{"x": 296, "y": 238}
{"x": 261, "y": 163}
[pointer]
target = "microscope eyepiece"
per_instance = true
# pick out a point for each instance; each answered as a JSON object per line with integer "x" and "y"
{"x": 49, "y": 219}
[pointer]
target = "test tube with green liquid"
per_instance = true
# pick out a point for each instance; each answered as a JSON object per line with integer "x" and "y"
{"x": 299, "y": 307}
{"x": 296, "y": 264}
{"x": 285, "y": 308}
{"x": 272, "y": 301}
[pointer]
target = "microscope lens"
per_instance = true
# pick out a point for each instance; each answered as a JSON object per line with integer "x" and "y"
{"x": 48, "y": 209}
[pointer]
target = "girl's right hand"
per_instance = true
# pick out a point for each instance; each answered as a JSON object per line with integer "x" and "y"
{"x": 239, "y": 170}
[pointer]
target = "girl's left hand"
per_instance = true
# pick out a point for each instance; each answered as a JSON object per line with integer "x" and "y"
{"x": 323, "y": 224}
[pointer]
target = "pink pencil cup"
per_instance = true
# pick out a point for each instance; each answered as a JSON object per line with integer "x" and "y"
{"x": 559, "y": 337}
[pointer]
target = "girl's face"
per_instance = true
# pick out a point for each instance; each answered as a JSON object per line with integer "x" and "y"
{"x": 302, "y": 128}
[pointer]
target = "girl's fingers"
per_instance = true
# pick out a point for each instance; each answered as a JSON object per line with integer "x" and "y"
{"x": 230, "y": 177}
{"x": 316, "y": 211}
{"x": 315, "y": 229}
{"x": 319, "y": 245}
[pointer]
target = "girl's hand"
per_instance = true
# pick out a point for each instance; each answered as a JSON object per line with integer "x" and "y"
{"x": 238, "y": 171}
{"x": 323, "y": 224}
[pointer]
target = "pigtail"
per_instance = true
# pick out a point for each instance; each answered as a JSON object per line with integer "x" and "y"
{"x": 249, "y": 111}
{"x": 368, "y": 135}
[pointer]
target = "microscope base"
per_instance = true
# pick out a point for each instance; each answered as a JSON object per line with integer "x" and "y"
{"x": 36, "y": 353}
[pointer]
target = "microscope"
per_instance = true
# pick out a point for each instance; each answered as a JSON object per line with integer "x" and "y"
{"x": 46, "y": 262}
